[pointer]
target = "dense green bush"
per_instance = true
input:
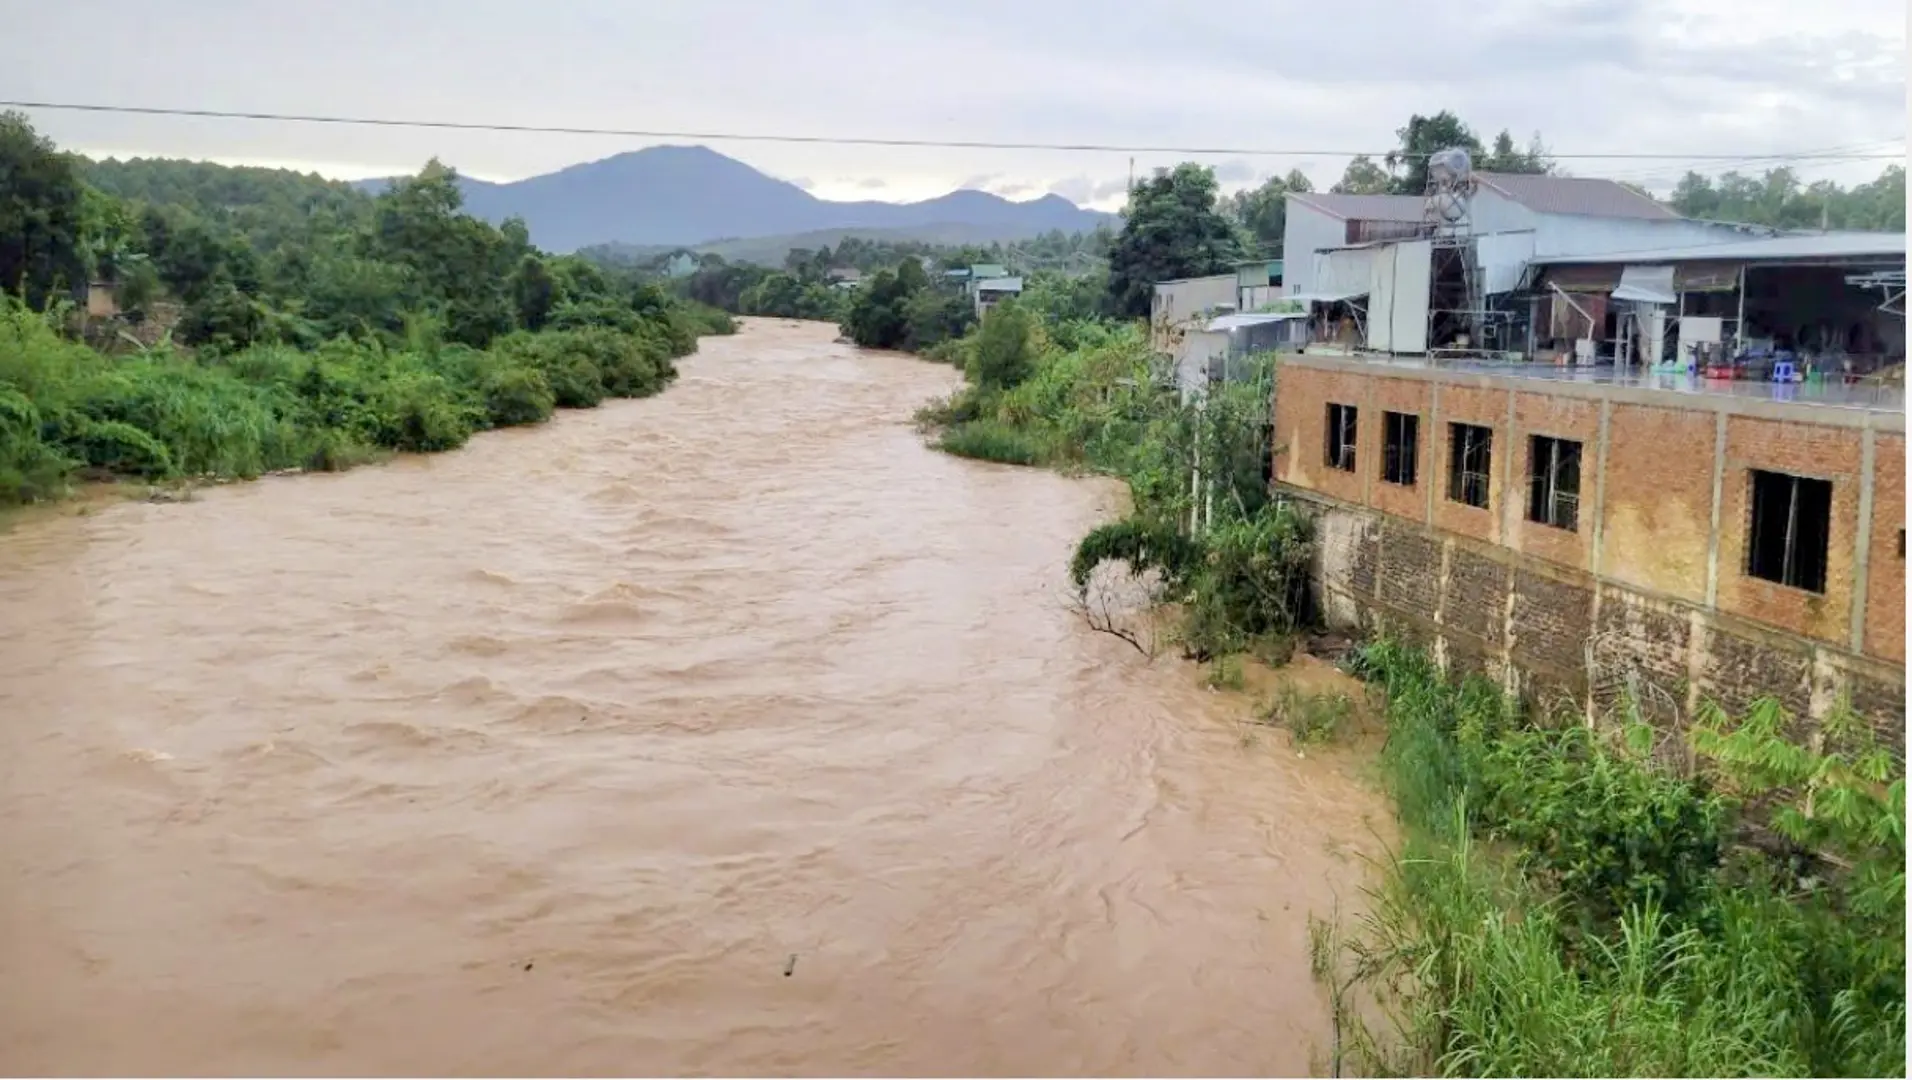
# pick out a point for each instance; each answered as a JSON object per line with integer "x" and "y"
{"x": 993, "y": 440}
{"x": 517, "y": 395}
{"x": 165, "y": 414}
{"x": 1004, "y": 355}
{"x": 1249, "y": 583}
{"x": 575, "y": 379}
{"x": 323, "y": 326}
{"x": 1618, "y": 923}
{"x": 30, "y": 470}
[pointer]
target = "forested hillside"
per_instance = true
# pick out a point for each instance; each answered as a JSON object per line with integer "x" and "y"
{"x": 306, "y": 325}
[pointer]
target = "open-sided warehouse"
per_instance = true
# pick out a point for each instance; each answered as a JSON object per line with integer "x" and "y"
{"x": 1834, "y": 300}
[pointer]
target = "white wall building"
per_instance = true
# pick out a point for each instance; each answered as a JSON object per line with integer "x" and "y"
{"x": 1320, "y": 221}
{"x": 988, "y": 292}
{"x": 1370, "y": 249}
{"x": 1181, "y": 302}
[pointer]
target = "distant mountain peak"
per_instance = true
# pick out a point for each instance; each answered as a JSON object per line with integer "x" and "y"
{"x": 691, "y": 194}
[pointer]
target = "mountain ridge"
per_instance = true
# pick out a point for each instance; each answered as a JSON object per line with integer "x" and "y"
{"x": 691, "y": 195}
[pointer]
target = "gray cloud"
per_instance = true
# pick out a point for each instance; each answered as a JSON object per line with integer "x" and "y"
{"x": 1013, "y": 190}
{"x": 1076, "y": 189}
{"x": 1745, "y": 77}
{"x": 1236, "y": 171}
{"x": 872, "y": 183}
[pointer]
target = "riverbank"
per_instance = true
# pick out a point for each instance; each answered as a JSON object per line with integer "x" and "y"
{"x": 68, "y": 412}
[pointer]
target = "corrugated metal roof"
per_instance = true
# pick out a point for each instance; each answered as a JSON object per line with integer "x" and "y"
{"x": 1331, "y": 296}
{"x": 1001, "y": 284}
{"x": 1836, "y": 245}
{"x": 1575, "y": 195}
{"x": 1226, "y": 323}
{"x": 1365, "y": 207}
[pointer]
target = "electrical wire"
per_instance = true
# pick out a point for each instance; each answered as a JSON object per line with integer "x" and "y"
{"x": 837, "y": 140}
{"x": 1672, "y": 170}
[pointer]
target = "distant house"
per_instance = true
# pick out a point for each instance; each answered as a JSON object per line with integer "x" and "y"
{"x": 1258, "y": 284}
{"x": 1181, "y": 303}
{"x": 988, "y": 292}
{"x": 102, "y": 300}
{"x": 844, "y": 277}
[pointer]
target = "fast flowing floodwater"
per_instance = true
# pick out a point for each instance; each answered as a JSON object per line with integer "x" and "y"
{"x": 546, "y": 755}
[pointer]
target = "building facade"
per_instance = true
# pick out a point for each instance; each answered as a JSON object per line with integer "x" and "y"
{"x": 1583, "y": 538}
{"x": 1463, "y": 284}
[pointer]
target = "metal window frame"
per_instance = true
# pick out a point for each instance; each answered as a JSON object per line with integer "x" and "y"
{"x": 1466, "y": 441}
{"x": 1395, "y": 450}
{"x": 1343, "y": 433}
{"x": 1548, "y": 504}
{"x": 1790, "y": 573}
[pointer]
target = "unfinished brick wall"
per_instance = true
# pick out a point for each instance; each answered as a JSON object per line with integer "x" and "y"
{"x": 1824, "y": 453}
{"x": 1301, "y": 431}
{"x": 1561, "y": 636}
{"x": 1657, "y": 511}
{"x": 1884, "y": 630}
{"x": 1561, "y": 418}
{"x": 1413, "y": 398}
{"x": 1626, "y": 599}
{"x": 1482, "y": 408}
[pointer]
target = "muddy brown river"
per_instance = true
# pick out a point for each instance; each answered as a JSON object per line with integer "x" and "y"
{"x": 547, "y": 756}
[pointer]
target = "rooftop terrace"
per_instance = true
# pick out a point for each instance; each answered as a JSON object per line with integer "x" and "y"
{"x": 1866, "y": 398}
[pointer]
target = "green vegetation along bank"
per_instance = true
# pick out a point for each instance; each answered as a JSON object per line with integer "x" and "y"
{"x": 1566, "y": 903}
{"x": 261, "y": 320}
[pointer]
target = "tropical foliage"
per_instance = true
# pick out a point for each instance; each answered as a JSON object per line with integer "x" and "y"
{"x": 1563, "y": 905}
{"x": 1172, "y": 229}
{"x": 313, "y": 326}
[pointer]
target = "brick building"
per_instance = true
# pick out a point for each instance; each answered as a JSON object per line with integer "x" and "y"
{"x": 1567, "y": 531}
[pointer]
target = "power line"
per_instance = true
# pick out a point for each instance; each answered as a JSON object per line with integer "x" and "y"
{"x": 835, "y": 140}
{"x": 1830, "y": 155}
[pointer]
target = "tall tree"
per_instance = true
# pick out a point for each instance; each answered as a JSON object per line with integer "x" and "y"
{"x": 459, "y": 262}
{"x": 534, "y": 293}
{"x": 1172, "y": 229}
{"x": 1363, "y": 177}
{"x": 1505, "y": 157}
{"x": 1263, "y": 212}
{"x": 41, "y": 215}
{"x": 1420, "y": 139}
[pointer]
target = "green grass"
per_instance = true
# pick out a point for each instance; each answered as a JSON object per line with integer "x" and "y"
{"x": 1560, "y": 906}
{"x": 1225, "y": 673}
{"x": 1309, "y": 718}
{"x": 993, "y": 440}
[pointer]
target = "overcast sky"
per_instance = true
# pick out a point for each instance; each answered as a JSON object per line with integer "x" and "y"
{"x": 1743, "y": 77}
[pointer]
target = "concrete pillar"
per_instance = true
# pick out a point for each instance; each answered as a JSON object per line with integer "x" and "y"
{"x": 1600, "y": 485}
{"x": 1434, "y": 469}
{"x": 1511, "y": 502}
{"x": 1862, "y": 542}
{"x": 1712, "y": 532}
